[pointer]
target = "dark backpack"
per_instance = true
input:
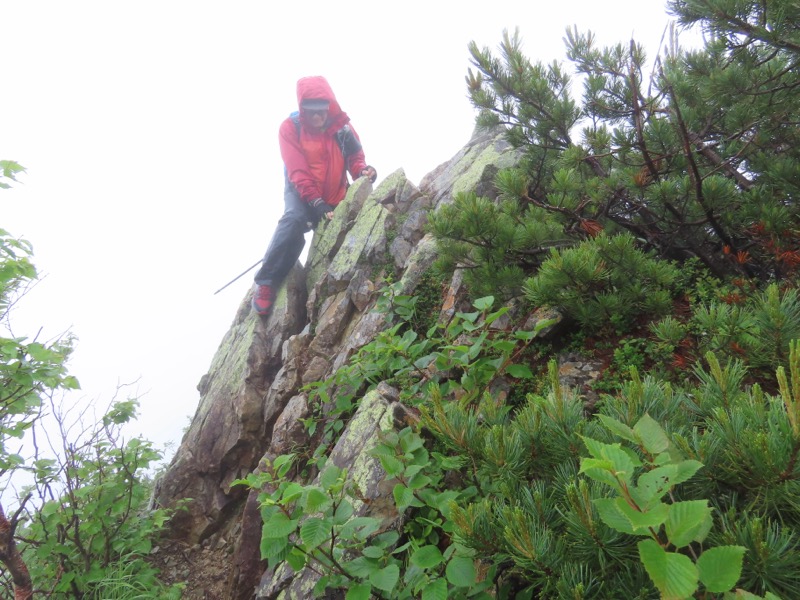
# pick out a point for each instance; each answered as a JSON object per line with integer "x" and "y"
{"x": 345, "y": 138}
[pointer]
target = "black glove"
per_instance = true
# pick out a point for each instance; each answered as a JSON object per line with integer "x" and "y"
{"x": 369, "y": 171}
{"x": 319, "y": 209}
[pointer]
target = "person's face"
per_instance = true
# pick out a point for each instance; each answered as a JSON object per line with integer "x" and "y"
{"x": 316, "y": 118}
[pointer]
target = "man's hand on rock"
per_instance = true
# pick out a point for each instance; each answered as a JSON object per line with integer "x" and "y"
{"x": 369, "y": 172}
{"x": 321, "y": 209}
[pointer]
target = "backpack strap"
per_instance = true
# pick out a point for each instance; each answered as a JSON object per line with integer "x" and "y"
{"x": 345, "y": 138}
{"x": 295, "y": 117}
{"x": 347, "y": 141}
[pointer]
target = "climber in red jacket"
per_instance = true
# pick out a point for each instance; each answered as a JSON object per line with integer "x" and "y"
{"x": 319, "y": 148}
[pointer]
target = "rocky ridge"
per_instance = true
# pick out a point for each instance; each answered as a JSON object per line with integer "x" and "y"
{"x": 251, "y": 400}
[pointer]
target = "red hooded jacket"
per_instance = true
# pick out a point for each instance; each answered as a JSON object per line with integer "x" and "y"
{"x": 314, "y": 161}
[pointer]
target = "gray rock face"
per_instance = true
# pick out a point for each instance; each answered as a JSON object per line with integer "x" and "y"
{"x": 252, "y": 404}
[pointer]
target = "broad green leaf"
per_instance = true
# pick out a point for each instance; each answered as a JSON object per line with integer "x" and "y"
{"x": 612, "y": 516}
{"x": 652, "y": 485}
{"x": 454, "y": 329}
{"x": 484, "y": 303}
{"x": 651, "y": 434}
{"x": 418, "y": 481}
{"x": 272, "y": 547}
{"x": 442, "y": 501}
{"x": 423, "y": 362}
{"x": 360, "y": 528}
{"x": 361, "y": 567}
{"x": 412, "y": 471}
{"x": 688, "y": 522}
{"x": 10, "y": 168}
{"x": 617, "y": 428}
{"x": 392, "y": 465}
{"x": 316, "y": 500}
{"x": 520, "y": 371}
{"x": 435, "y": 590}
{"x": 427, "y": 557}
{"x": 282, "y": 461}
{"x": 643, "y": 521}
{"x": 68, "y": 577}
{"x": 544, "y": 324}
{"x": 686, "y": 470}
{"x": 343, "y": 512}
{"x": 319, "y": 588}
{"x": 460, "y": 571}
{"x": 359, "y": 591}
{"x": 674, "y": 575}
{"x": 279, "y": 525}
{"x": 410, "y": 441}
{"x": 373, "y": 552}
{"x": 492, "y": 317}
{"x": 291, "y": 492}
{"x": 330, "y": 476}
{"x": 50, "y": 508}
{"x": 600, "y": 470}
{"x": 477, "y": 346}
{"x": 314, "y": 531}
{"x": 662, "y": 459}
{"x": 594, "y": 446}
{"x": 387, "y": 539}
{"x": 468, "y": 317}
{"x": 402, "y": 548}
{"x": 404, "y": 497}
{"x": 449, "y": 462}
{"x": 622, "y": 460}
{"x": 741, "y": 594}
{"x": 385, "y": 579}
{"x": 40, "y": 352}
{"x": 720, "y": 567}
{"x": 296, "y": 559}
{"x": 504, "y": 346}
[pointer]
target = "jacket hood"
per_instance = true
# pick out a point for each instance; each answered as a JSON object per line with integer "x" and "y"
{"x": 318, "y": 88}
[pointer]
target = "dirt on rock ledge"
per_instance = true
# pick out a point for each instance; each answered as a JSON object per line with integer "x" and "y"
{"x": 203, "y": 569}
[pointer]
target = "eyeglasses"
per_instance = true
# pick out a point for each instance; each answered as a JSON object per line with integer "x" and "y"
{"x": 313, "y": 113}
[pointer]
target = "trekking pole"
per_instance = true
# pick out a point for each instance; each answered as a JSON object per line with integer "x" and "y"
{"x": 238, "y": 277}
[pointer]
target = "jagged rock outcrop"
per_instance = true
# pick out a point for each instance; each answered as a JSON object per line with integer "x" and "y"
{"x": 252, "y": 404}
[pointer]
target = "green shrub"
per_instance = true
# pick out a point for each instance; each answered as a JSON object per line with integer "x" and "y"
{"x": 604, "y": 283}
{"x": 757, "y": 328}
{"x": 92, "y": 510}
{"x": 673, "y": 490}
{"x": 78, "y": 501}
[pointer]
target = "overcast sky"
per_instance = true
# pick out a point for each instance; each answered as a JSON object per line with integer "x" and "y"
{"x": 149, "y": 134}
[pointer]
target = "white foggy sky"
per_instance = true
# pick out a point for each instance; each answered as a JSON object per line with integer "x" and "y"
{"x": 149, "y": 133}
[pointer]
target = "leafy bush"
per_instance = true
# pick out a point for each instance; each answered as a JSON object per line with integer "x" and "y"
{"x": 82, "y": 510}
{"x": 91, "y": 509}
{"x": 637, "y": 508}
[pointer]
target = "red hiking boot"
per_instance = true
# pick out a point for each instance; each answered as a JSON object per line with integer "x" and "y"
{"x": 263, "y": 299}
